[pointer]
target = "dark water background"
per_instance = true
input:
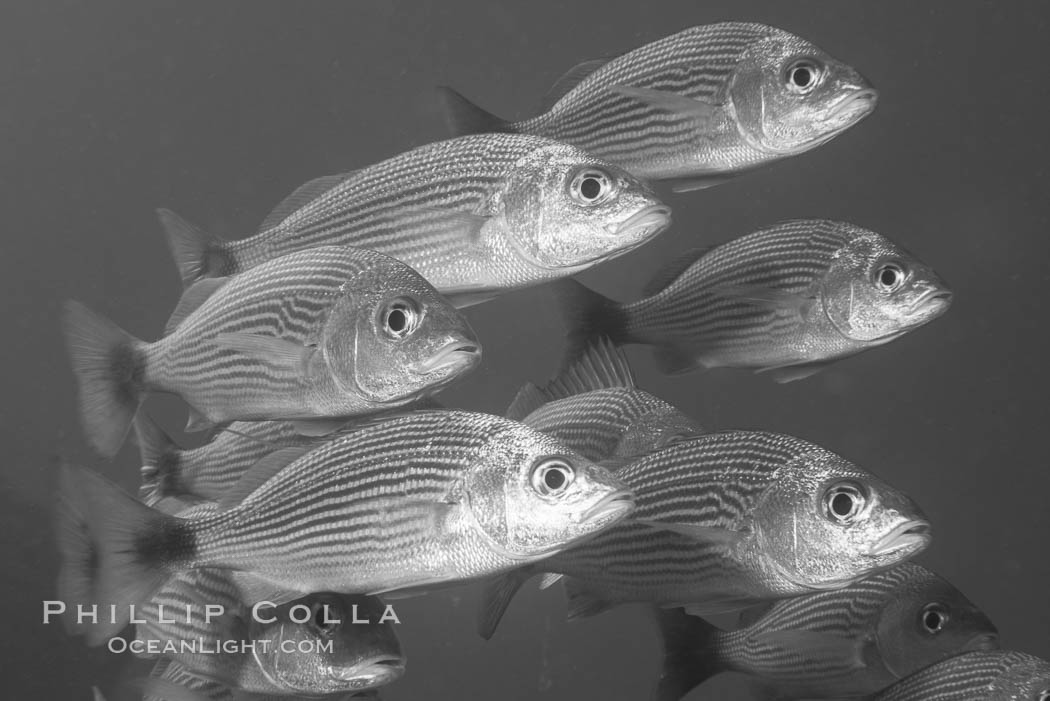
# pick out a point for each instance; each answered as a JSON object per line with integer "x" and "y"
{"x": 219, "y": 109}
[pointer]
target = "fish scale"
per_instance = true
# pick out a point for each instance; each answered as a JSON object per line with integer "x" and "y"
{"x": 976, "y": 676}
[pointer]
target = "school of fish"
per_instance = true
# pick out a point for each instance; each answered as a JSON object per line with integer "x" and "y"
{"x": 331, "y": 478}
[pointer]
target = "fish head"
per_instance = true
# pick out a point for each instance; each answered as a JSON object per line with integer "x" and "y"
{"x": 531, "y": 496}
{"x": 789, "y": 96}
{"x": 824, "y": 523}
{"x": 565, "y": 209}
{"x": 328, "y": 643}
{"x": 924, "y": 619}
{"x": 1024, "y": 678}
{"x": 875, "y": 291}
{"x": 393, "y": 338}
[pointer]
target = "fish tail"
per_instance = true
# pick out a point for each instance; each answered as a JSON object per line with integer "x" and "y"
{"x": 589, "y": 315}
{"x": 110, "y": 367}
{"x": 197, "y": 254}
{"x": 115, "y": 551}
{"x": 689, "y": 653}
{"x": 159, "y": 458}
{"x": 464, "y": 117}
{"x": 497, "y": 597}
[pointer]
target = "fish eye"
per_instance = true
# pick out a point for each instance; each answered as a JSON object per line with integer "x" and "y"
{"x": 889, "y": 277}
{"x": 552, "y": 477}
{"x": 592, "y": 186}
{"x": 803, "y": 75}
{"x": 1044, "y": 695}
{"x": 399, "y": 318}
{"x": 934, "y": 618}
{"x": 325, "y": 619}
{"x": 843, "y": 502}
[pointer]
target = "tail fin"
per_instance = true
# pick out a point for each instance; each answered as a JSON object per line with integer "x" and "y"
{"x": 110, "y": 366}
{"x": 160, "y": 461}
{"x": 497, "y": 597}
{"x": 464, "y": 117}
{"x": 197, "y": 254}
{"x": 115, "y": 552}
{"x": 588, "y": 315}
{"x": 689, "y": 653}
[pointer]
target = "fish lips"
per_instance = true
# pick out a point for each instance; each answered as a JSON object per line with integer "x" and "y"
{"x": 854, "y": 107}
{"x": 611, "y": 507}
{"x": 932, "y": 302}
{"x": 375, "y": 671}
{"x": 642, "y": 225}
{"x": 459, "y": 353}
{"x": 984, "y": 642}
{"x": 906, "y": 540}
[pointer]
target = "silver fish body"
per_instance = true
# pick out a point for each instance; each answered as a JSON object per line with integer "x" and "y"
{"x": 207, "y": 472}
{"x": 417, "y": 501}
{"x": 726, "y": 520}
{"x": 977, "y": 676}
{"x": 850, "y": 642}
{"x": 326, "y": 332}
{"x": 595, "y": 408}
{"x": 289, "y": 655}
{"x": 696, "y": 106}
{"x": 475, "y": 216}
{"x": 786, "y": 299}
{"x": 171, "y": 680}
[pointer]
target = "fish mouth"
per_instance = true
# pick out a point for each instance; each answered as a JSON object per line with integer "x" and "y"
{"x": 855, "y": 106}
{"x": 644, "y": 224}
{"x": 984, "y": 642}
{"x": 907, "y": 539}
{"x": 936, "y": 298}
{"x": 458, "y": 353}
{"x": 375, "y": 671}
{"x": 611, "y": 507}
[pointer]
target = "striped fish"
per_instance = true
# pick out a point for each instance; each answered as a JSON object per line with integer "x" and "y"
{"x": 328, "y": 332}
{"x": 787, "y": 300}
{"x": 850, "y": 642}
{"x": 475, "y": 216}
{"x": 288, "y": 657}
{"x": 409, "y": 502}
{"x": 207, "y": 472}
{"x": 170, "y": 681}
{"x": 695, "y": 107}
{"x": 977, "y": 676}
{"x": 595, "y": 408}
{"x": 727, "y": 520}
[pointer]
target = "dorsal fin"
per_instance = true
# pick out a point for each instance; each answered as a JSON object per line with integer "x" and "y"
{"x": 529, "y": 399}
{"x": 301, "y": 196}
{"x": 570, "y": 79}
{"x": 260, "y": 472}
{"x": 192, "y": 299}
{"x": 601, "y": 365}
{"x": 670, "y": 272}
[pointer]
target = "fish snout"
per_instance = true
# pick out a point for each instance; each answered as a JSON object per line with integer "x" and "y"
{"x": 375, "y": 671}
{"x": 611, "y": 507}
{"x": 905, "y": 540}
{"x": 643, "y": 224}
{"x": 457, "y": 353}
